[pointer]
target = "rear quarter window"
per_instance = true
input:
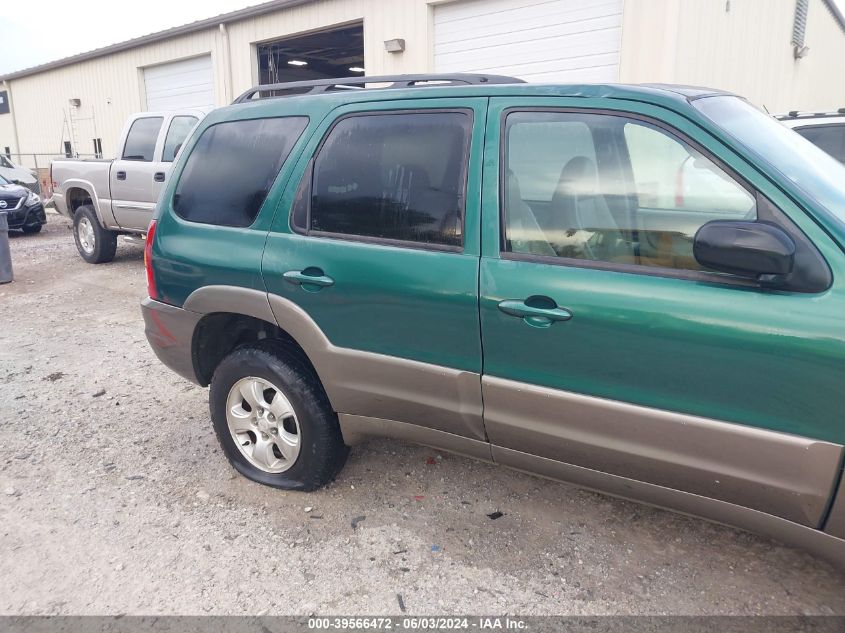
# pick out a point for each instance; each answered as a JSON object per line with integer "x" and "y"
{"x": 232, "y": 166}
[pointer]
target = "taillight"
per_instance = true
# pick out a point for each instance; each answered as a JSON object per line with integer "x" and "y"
{"x": 148, "y": 261}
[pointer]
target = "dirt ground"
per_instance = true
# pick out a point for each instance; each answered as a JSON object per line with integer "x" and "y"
{"x": 114, "y": 498}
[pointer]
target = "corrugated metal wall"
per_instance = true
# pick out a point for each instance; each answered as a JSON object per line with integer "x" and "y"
{"x": 739, "y": 45}
{"x": 744, "y": 46}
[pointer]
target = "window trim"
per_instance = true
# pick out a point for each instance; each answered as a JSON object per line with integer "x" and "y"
{"x": 383, "y": 241}
{"x": 651, "y": 271}
{"x": 176, "y": 181}
{"x": 170, "y": 127}
{"x": 820, "y": 125}
{"x": 129, "y": 132}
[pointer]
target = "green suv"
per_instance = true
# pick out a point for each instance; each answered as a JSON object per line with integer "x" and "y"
{"x": 637, "y": 289}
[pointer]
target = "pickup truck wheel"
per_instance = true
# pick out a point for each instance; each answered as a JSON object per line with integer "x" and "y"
{"x": 273, "y": 419}
{"x": 95, "y": 244}
{"x": 31, "y": 228}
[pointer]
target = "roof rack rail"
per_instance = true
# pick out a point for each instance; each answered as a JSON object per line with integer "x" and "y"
{"x": 319, "y": 86}
{"x": 795, "y": 114}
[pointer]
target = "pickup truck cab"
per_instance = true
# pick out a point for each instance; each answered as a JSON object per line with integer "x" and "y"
{"x": 106, "y": 198}
{"x": 826, "y": 130}
{"x": 512, "y": 272}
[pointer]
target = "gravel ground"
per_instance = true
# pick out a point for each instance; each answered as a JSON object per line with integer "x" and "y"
{"x": 114, "y": 498}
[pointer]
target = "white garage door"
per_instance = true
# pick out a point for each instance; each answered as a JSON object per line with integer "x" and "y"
{"x": 183, "y": 84}
{"x": 536, "y": 40}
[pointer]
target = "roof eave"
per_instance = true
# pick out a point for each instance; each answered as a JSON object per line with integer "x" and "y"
{"x": 185, "y": 29}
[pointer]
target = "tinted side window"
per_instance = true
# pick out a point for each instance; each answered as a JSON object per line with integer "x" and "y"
{"x": 619, "y": 190}
{"x": 394, "y": 176}
{"x": 830, "y": 138}
{"x": 141, "y": 140}
{"x": 178, "y": 131}
{"x": 232, "y": 167}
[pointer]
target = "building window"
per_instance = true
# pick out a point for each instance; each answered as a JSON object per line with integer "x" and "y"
{"x": 68, "y": 150}
{"x": 98, "y": 148}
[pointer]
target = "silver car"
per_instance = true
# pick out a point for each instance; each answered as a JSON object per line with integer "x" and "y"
{"x": 18, "y": 174}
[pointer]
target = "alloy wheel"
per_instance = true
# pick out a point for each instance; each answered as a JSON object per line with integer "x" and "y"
{"x": 85, "y": 232}
{"x": 263, "y": 424}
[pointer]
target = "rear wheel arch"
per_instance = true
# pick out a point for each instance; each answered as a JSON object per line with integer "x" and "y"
{"x": 218, "y": 334}
{"x": 77, "y": 197}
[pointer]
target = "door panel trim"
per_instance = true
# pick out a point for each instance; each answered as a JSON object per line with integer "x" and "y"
{"x": 143, "y": 206}
{"x": 823, "y": 545}
{"x": 781, "y": 474}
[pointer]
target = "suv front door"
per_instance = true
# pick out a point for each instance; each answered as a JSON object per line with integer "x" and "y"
{"x": 381, "y": 251}
{"x": 608, "y": 348}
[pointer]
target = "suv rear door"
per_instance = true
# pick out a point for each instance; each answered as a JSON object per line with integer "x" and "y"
{"x": 381, "y": 250}
{"x": 606, "y": 346}
{"x": 132, "y": 178}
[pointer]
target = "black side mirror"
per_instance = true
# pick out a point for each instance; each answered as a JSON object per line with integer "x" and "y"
{"x": 748, "y": 249}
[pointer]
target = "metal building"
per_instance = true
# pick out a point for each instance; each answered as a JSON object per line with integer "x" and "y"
{"x": 781, "y": 54}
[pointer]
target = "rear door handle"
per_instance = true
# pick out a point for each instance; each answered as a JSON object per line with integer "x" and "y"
{"x": 121, "y": 175}
{"x": 535, "y": 315}
{"x": 310, "y": 279}
{"x": 158, "y": 176}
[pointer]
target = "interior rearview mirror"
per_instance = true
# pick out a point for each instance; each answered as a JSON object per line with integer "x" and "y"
{"x": 748, "y": 249}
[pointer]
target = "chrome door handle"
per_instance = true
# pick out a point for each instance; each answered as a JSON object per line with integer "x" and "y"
{"x": 534, "y": 315}
{"x": 313, "y": 277}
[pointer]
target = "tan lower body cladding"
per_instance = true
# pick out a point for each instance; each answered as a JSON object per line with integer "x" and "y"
{"x": 780, "y": 474}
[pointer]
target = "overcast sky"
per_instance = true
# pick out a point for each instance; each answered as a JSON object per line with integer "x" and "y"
{"x": 40, "y": 31}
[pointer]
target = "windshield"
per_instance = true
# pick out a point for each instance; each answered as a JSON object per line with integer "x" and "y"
{"x": 3, "y": 181}
{"x": 818, "y": 174}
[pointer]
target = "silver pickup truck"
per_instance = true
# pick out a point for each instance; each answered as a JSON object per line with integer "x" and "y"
{"x": 107, "y": 198}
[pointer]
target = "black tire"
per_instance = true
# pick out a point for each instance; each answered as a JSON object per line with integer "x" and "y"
{"x": 322, "y": 452}
{"x": 31, "y": 228}
{"x": 105, "y": 241}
